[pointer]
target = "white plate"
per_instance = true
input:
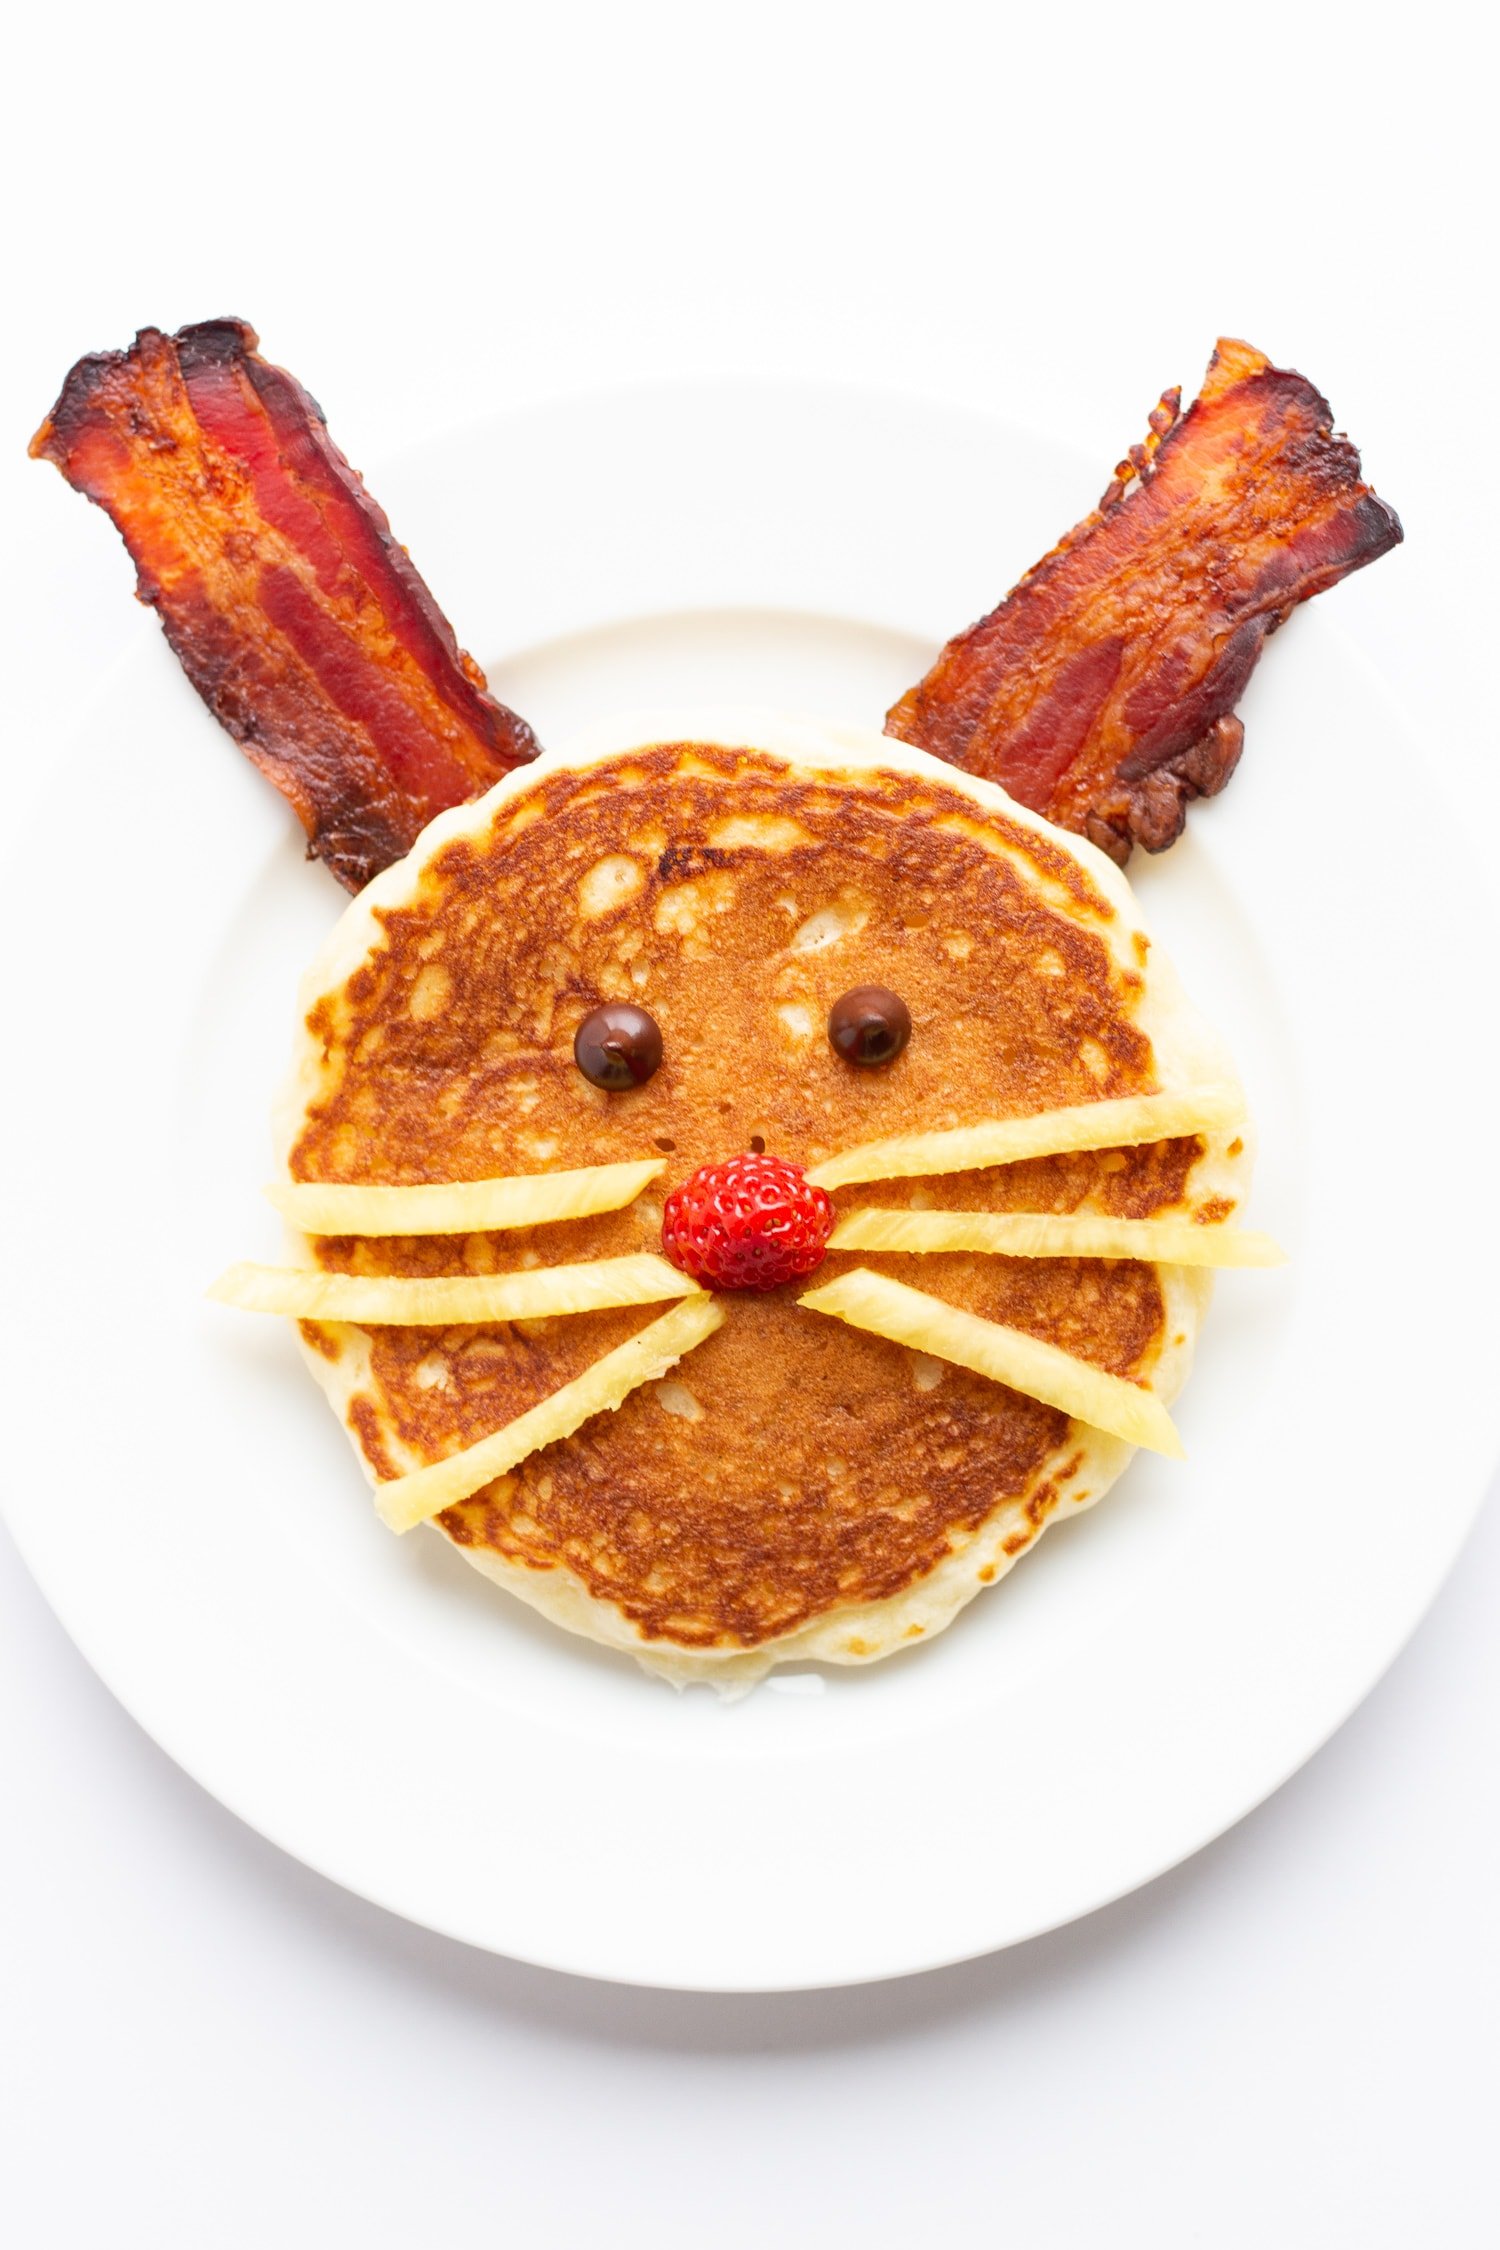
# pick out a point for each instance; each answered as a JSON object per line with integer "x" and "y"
{"x": 370, "y": 1704}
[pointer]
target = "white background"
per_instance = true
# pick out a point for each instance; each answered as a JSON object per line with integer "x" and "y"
{"x": 1289, "y": 2040}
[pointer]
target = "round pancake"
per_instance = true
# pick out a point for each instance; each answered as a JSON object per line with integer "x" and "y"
{"x": 795, "y": 1488}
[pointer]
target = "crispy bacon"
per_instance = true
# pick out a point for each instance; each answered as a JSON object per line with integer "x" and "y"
{"x": 1101, "y": 692}
{"x": 301, "y": 623}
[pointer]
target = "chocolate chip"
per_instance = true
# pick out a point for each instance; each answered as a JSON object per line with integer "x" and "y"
{"x": 869, "y": 1026}
{"x": 617, "y": 1046}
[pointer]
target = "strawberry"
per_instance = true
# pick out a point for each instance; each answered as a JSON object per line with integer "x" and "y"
{"x": 752, "y": 1223}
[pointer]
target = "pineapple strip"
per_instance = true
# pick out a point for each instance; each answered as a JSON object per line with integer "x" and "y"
{"x": 909, "y": 1316}
{"x": 460, "y": 1206}
{"x": 1076, "y": 1234}
{"x": 413, "y": 1499}
{"x": 440, "y": 1301}
{"x": 1052, "y": 1132}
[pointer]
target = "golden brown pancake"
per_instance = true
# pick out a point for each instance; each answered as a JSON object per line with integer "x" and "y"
{"x": 796, "y": 1487}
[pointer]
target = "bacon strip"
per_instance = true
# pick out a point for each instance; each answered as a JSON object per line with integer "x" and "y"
{"x": 301, "y": 623}
{"x": 1101, "y": 692}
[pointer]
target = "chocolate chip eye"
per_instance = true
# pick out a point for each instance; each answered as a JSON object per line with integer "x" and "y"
{"x": 869, "y": 1026}
{"x": 617, "y": 1046}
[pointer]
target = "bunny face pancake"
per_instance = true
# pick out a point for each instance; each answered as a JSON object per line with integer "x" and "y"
{"x": 792, "y": 1487}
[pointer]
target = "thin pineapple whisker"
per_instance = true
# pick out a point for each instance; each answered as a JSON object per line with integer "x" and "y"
{"x": 451, "y": 1300}
{"x": 403, "y": 1502}
{"x": 1125, "y": 1123}
{"x": 336, "y": 1207}
{"x": 1076, "y": 1387}
{"x": 1073, "y": 1234}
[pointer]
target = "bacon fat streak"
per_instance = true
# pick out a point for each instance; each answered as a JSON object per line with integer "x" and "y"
{"x": 1101, "y": 692}
{"x": 297, "y": 617}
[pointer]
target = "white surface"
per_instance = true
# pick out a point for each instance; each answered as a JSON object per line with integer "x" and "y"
{"x": 1287, "y": 2038}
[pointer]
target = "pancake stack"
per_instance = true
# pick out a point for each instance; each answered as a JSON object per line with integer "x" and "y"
{"x": 794, "y": 1487}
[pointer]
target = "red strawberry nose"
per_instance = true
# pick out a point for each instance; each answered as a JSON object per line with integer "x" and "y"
{"x": 752, "y": 1223}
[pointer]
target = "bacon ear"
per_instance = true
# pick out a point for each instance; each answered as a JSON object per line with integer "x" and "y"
{"x": 1101, "y": 692}
{"x": 304, "y": 627}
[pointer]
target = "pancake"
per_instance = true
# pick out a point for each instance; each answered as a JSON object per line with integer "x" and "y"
{"x": 795, "y": 1489}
